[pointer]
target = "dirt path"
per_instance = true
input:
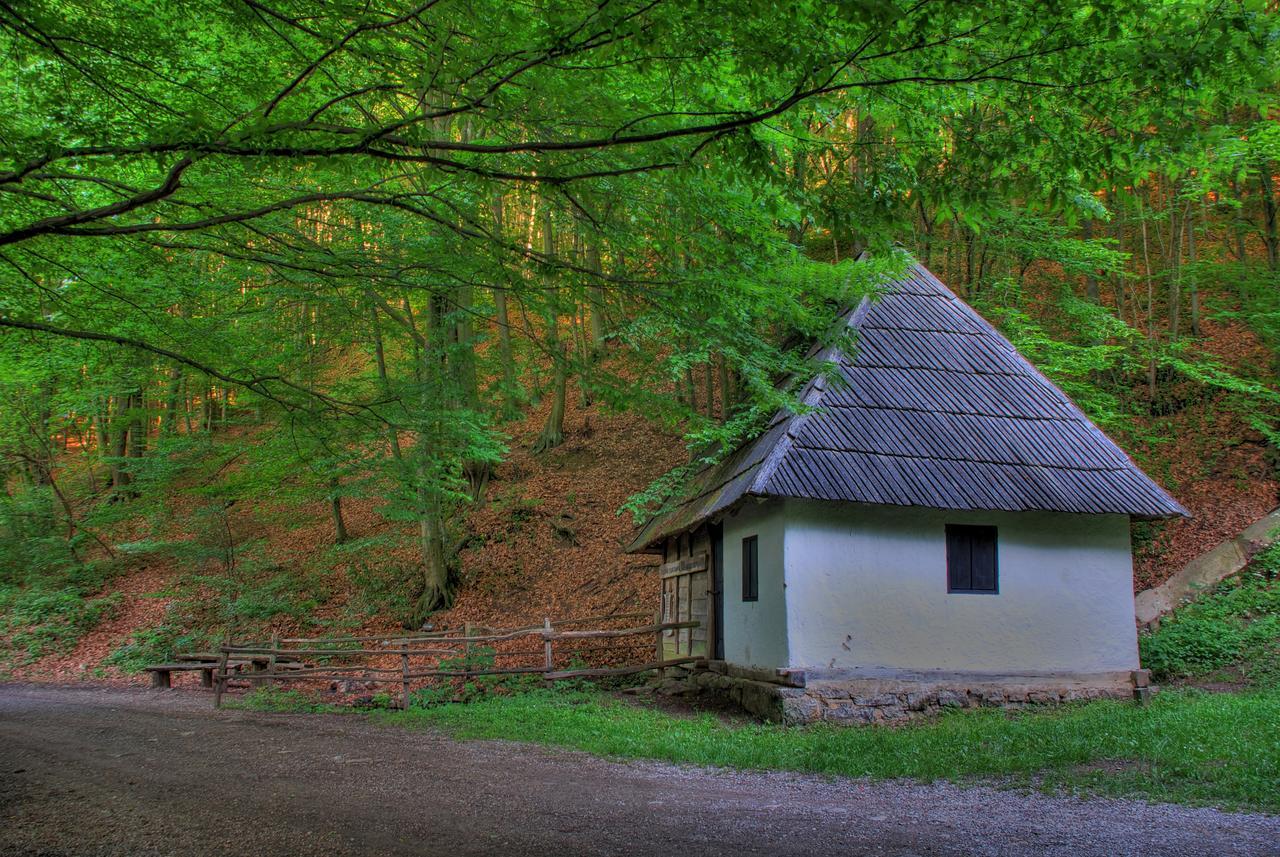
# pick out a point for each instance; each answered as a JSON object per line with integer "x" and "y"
{"x": 106, "y": 771}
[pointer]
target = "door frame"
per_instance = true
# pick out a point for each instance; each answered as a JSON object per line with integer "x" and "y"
{"x": 716, "y": 531}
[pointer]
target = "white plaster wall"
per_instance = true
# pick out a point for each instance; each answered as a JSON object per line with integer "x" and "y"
{"x": 866, "y": 586}
{"x": 755, "y": 632}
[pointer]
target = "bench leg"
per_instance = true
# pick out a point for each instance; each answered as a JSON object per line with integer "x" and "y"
{"x": 160, "y": 678}
{"x": 206, "y": 678}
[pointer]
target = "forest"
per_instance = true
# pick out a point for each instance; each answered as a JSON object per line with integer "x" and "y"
{"x": 330, "y": 314}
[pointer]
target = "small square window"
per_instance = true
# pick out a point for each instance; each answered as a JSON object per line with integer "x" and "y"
{"x": 972, "y": 564}
{"x": 750, "y": 569}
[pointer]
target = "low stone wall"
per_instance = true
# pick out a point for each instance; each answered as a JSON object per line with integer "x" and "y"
{"x": 856, "y": 701}
{"x": 1204, "y": 572}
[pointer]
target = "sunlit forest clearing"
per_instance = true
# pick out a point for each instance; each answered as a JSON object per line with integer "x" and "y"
{"x": 328, "y": 318}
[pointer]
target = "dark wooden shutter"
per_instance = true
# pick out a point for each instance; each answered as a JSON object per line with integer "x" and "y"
{"x": 971, "y": 559}
{"x": 959, "y": 560}
{"x": 750, "y": 569}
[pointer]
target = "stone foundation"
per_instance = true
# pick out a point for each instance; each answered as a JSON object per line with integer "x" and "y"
{"x": 859, "y": 700}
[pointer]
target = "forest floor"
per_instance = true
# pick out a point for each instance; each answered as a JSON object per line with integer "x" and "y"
{"x": 161, "y": 773}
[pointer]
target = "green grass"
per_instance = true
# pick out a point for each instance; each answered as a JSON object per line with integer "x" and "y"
{"x": 1188, "y": 746}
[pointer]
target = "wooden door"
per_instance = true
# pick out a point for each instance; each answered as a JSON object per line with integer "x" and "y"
{"x": 686, "y": 596}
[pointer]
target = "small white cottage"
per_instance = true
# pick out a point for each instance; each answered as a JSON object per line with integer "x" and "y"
{"x": 946, "y": 528}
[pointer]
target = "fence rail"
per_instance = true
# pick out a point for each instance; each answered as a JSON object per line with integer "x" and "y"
{"x": 283, "y": 660}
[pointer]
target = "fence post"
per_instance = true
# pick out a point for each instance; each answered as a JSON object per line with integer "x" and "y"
{"x": 220, "y": 681}
{"x": 657, "y": 620}
{"x": 404, "y": 680}
{"x": 466, "y": 646}
{"x": 546, "y": 645}
{"x": 271, "y": 659}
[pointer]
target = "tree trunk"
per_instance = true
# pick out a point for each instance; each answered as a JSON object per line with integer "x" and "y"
{"x": 380, "y": 355}
{"x": 1269, "y": 217}
{"x": 691, "y": 389}
{"x": 799, "y": 168}
{"x": 1239, "y": 224}
{"x": 711, "y": 392}
{"x": 208, "y": 408}
{"x": 335, "y": 503}
{"x": 137, "y": 425}
{"x": 726, "y": 394}
{"x": 1091, "y": 279}
{"x": 1193, "y": 286}
{"x": 511, "y": 398}
{"x": 584, "y": 353}
{"x": 1151, "y": 299}
{"x": 926, "y": 228}
{"x": 553, "y": 430}
{"x": 435, "y": 590}
{"x": 119, "y": 447}
{"x": 595, "y": 295}
{"x": 170, "y": 424}
{"x": 1176, "y": 227}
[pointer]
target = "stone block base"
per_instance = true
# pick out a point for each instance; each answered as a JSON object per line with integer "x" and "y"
{"x": 856, "y": 701}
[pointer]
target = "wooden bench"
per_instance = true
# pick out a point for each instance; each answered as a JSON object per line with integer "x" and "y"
{"x": 161, "y": 674}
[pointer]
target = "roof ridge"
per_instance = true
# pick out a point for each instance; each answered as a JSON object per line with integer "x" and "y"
{"x": 887, "y": 454}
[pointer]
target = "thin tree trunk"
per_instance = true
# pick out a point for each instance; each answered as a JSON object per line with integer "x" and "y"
{"x": 1269, "y": 217}
{"x": 119, "y": 447}
{"x": 584, "y": 353}
{"x": 170, "y": 422}
{"x": 335, "y": 503}
{"x": 137, "y": 425}
{"x": 1091, "y": 279}
{"x": 1239, "y": 223}
{"x": 380, "y": 356}
{"x": 1193, "y": 285}
{"x": 511, "y": 398}
{"x": 1151, "y": 300}
{"x": 726, "y": 393}
{"x": 553, "y": 430}
{"x": 595, "y": 295}
{"x": 1177, "y": 225}
{"x": 711, "y": 392}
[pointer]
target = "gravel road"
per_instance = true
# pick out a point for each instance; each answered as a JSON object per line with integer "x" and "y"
{"x": 109, "y": 771}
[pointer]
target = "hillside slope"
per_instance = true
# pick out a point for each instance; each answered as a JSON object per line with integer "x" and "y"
{"x": 548, "y": 539}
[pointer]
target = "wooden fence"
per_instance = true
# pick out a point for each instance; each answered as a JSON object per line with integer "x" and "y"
{"x": 419, "y": 656}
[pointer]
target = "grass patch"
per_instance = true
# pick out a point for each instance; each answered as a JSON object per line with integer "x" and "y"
{"x": 281, "y": 701}
{"x": 1187, "y": 746}
{"x": 1236, "y": 625}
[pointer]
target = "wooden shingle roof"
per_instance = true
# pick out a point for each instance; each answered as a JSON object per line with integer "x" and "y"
{"x": 936, "y": 409}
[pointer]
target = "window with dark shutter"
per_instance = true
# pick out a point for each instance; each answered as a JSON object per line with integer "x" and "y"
{"x": 750, "y": 570}
{"x": 971, "y": 559}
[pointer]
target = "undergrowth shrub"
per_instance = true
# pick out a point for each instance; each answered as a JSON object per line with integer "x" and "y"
{"x": 38, "y": 621}
{"x": 472, "y": 688}
{"x": 47, "y": 592}
{"x": 1237, "y": 624}
{"x": 157, "y": 644}
{"x": 383, "y": 587}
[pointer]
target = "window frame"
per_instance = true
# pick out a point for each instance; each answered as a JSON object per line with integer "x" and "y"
{"x": 751, "y": 568}
{"x": 971, "y": 534}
